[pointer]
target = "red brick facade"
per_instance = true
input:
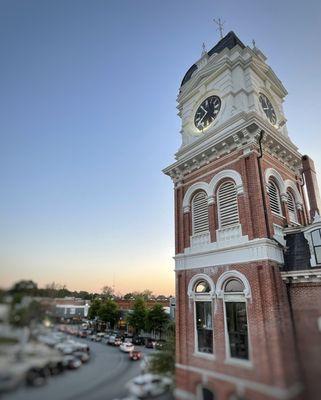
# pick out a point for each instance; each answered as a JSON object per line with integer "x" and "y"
{"x": 280, "y": 351}
{"x": 266, "y": 252}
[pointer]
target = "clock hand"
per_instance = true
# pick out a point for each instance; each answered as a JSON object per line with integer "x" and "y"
{"x": 199, "y": 122}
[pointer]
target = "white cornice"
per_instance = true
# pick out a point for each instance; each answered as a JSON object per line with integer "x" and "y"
{"x": 307, "y": 275}
{"x": 242, "y": 136}
{"x": 228, "y": 253}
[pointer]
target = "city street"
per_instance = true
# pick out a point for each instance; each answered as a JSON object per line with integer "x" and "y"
{"x": 103, "y": 377}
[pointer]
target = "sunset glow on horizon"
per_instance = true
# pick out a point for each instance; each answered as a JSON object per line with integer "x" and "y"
{"x": 89, "y": 121}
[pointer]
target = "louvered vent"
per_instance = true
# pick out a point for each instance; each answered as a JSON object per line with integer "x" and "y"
{"x": 200, "y": 213}
{"x": 227, "y": 205}
{"x": 274, "y": 196}
{"x": 291, "y": 208}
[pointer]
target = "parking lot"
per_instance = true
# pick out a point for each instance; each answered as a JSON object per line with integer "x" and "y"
{"x": 104, "y": 377}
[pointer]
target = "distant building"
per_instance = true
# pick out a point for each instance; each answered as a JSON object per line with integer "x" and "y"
{"x": 71, "y": 308}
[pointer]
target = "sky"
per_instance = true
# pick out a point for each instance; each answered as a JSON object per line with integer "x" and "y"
{"x": 88, "y": 121}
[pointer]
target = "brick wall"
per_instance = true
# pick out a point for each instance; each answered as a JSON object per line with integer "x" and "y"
{"x": 272, "y": 347}
{"x": 306, "y": 306}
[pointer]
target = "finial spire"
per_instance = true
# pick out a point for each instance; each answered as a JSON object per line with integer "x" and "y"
{"x": 253, "y": 43}
{"x": 203, "y": 49}
{"x": 220, "y": 25}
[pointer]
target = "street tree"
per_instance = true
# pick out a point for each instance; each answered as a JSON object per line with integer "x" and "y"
{"x": 94, "y": 308}
{"x": 107, "y": 292}
{"x": 137, "y": 318}
{"x": 109, "y": 312}
{"x": 163, "y": 361}
{"x": 157, "y": 319}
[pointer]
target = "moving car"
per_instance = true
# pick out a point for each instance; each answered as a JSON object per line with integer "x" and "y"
{"x": 127, "y": 347}
{"x": 135, "y": 355}
{"x": 149, "y": 385}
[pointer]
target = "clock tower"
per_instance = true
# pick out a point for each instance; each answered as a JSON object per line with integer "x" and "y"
{"x": 241, "y": 232}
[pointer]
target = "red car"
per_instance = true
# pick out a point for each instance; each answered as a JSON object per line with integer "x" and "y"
{"x": 135, "y": 355}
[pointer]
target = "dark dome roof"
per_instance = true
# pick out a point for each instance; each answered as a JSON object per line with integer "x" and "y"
{"x": 229, "y": 41}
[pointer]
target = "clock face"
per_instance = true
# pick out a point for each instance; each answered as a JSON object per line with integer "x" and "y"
{"x": 207, "y": 112}
{"x": 268, "y": 108}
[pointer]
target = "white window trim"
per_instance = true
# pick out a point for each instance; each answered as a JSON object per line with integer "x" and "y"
{"x": 237, "y": 297}
{"x": 206, "y": 297}
{"x": 197, "y": 353}
{"x": 228, "y": 358}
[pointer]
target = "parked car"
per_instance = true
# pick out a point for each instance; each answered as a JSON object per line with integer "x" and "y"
{"x": 127, "y": 347}
{"x": 37, "y": 376}
{"x": 117, "y": 341}
{"x": 138, "y": 340}
{"x": 82, "y": 356}
{"x": 149, "y": 344}
{"x": 111, "y": 339}
{"x": 71, "y": 362}
{"x": 135, "y": 355}
{"x": 159, "y": 344}
{"x": 149, "y": 385}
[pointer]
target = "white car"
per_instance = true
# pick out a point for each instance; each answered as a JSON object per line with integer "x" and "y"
{"x": 148, "y": 385}
{"x": 127, "y": 347}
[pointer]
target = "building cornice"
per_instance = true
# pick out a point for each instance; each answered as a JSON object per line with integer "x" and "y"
{"x": 226, "y": 139}
{"x": 303, "y": 276}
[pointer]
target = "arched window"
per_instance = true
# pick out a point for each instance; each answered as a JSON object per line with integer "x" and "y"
{"x": 274, "y": 195}
{"x": 202, "y": 294}
{"x": 205, "y": 394}
{"x": 200, "y": 212}
{"x": 236, "y": 319}
{"x": 292, "y": 208}
{"x": 228, "y": 213}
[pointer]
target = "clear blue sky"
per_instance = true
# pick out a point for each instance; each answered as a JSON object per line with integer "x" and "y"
{"x": 88, "y": 120}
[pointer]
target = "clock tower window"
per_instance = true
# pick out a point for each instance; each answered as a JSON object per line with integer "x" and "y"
{"x": 200, "y": 213}
{"x": 227, "y": 204}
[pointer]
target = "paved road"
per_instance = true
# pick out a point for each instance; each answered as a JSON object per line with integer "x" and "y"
{"x": 103, "y": 378}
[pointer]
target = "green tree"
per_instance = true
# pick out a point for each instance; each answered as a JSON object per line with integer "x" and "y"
{"x": 25, "y": 286}
{"x": 157, "y": 319}
{"x": 24, "y": 316}
{"x": 163, "y": 361}
{"x": 109, "y": 312}
{"x": 94, "y": 308}
{"x": 128, "y": 296}
{"x": 137, "y": 317}
{"x": 107, "y": 292}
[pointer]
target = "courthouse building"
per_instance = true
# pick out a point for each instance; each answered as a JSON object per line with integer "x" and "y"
{"x": 247, "y": 236}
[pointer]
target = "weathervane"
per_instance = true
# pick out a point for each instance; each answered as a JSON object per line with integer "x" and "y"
{"x": 220, "y": 25}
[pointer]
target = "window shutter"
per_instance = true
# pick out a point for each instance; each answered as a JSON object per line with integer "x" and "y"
{"x": 274, "y": 196}
{"x": 200, "y": 213}
{"x": 291, "y": 207}
{"x": 227, "y": 205}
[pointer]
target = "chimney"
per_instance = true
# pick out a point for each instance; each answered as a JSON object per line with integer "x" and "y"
{"x": 311, "y": 185}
